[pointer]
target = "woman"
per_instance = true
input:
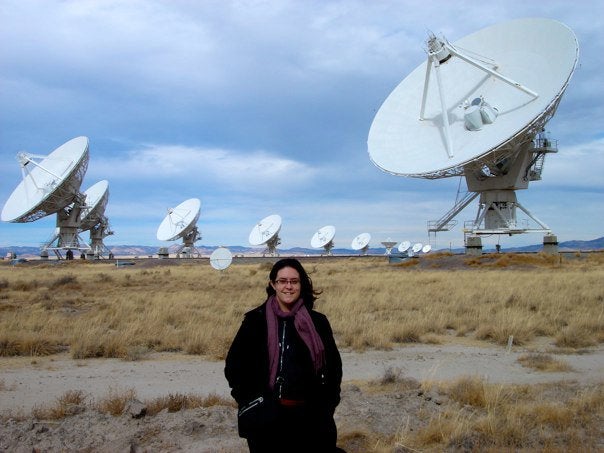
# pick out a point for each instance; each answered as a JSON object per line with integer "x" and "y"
{"x": 284, "y": 368}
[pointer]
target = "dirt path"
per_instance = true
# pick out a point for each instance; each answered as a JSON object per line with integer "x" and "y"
{"x": 25, "y": 383}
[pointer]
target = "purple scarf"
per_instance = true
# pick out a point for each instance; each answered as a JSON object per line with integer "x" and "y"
{"x": 305, "y": 328}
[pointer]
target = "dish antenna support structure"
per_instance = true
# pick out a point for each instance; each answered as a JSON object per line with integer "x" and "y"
{"x": 483, "y": 119}
{"x": 266, "y": 232}
{"x": 181, "y": 222}
{"x": 94, "y": 220}
{"x": 51, "y": 185}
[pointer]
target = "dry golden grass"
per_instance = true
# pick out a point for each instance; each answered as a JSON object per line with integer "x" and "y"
{"x": 70, "y": 403}
{"x": 177, "y": 402}
{"x": 115, "y": 403}
{"x": 543, "y": 362}
{"x": 487, "y": 417}
{"x": 100, "y": 310}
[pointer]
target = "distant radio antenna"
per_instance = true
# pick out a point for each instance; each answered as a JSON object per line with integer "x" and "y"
{"x": 266, "y": 232}
{"x": 221, "y": 258}
{"x": 181, "y": 223}
{"x": 361, "y": 243}
{"x": 323, "y": 238}
{"x": 389, "y": 245}
{"x": 94, "y": 220}
{"x": 404, "y": 246}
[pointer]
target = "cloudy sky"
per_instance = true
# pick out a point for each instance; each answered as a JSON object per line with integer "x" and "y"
{"x": 264, "y": 107}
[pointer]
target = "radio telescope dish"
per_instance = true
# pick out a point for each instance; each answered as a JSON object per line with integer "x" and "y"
{"x": 221, "y": 258}
{"x": 324, "y": 238}
{"x": 404, "y": 246}
{"x": 97, "y": 197}
{"x": 361, "y": 242}
{"x": 180, "y": 222}
{"x": 48, "y": 185}
{"x": 426, "y": 248}
{"x": 483, "y": 118}
{"x": 409, "y": 133}
{"x": 415, "y": 249}
{"x": 267, "y": 232}
{"x": 389, "y": 245}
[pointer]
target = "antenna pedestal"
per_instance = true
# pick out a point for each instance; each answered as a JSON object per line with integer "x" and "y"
{"x": 187, "y": 249}
{"x": 97, "y": 233}
{"x": 66, "y": 236}
{"x": 271, "y": 246}
{"x": 473, "y": 245}
{"x": 550, "y": 244}
{"x": 327, "y": 247}
{"x": 497, "y": 182}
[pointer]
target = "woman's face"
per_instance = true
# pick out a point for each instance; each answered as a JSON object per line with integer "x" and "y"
{"x": 287, "y": 287}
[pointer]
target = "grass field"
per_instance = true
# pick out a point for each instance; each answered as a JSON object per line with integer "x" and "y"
{"x": 100, "y": 310}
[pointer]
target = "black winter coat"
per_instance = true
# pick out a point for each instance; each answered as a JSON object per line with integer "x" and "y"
{"x": 247, "y": 366}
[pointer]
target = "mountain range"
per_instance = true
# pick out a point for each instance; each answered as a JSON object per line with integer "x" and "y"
{"x": 206, "y": 250}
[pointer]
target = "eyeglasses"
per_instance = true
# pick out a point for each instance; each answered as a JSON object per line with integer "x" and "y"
{"x": 287, "y": 281}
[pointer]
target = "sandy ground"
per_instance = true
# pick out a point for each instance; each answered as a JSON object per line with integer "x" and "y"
{"x": 26, "y": 383}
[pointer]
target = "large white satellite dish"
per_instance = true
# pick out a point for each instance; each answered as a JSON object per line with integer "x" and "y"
{"x": 324, "y": 238}
{"x": 48, "y": 185}
{"x": 51, "y": 184}
{"x": 181, "y": 222}
{"x": 267, "y": 232}
{"x": 361, "y": 242}
{"x": 426, "y": 248}
{"x": 477, "y": 108}
{"x": 97, "y": 197}
{"x": 221, "y": 258}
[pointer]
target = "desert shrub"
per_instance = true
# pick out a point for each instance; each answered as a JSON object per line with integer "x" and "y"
{"x": 104, "y": 278}
{"x": 468, "y": 390}
{"x": 35, "y": 346}
{"x": 573, "y": 337}
{"x": 69, "y": 281}
{"x": 178, "y": 401}
{"x": 68, "y": 404}
{"x": 135, "y": 353}
{"x": 407, "y": 334}
{"x": 543, "y": 362}
{"x": 28, "y": 344}
{"x": 115, "y": 401}
{"x": 3, "y": 283}
{"x": 357, "y": 440}
{"x": 24, "y": 285}
{"x": 8, "y": 347}
{"x": 391, "y": 375}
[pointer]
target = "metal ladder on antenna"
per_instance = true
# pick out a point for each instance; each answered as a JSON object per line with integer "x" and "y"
{"x": 537, "y": 168}
{"x": 446, "y": 222}
{"x": 542, "y": 147}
